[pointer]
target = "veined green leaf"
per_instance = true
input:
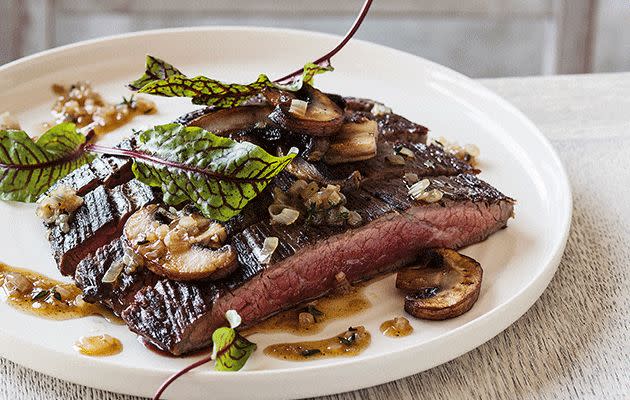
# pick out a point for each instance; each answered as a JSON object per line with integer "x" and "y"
{"x": 206, "y": 91}
{"x": 230, "y": 350}
{"x": 219, "y": 175}
{"x": 156, "y": 70}
{"x": 28, "y": 168}
{"x": 163, "y": 79}
{"x": 308, "y": 76}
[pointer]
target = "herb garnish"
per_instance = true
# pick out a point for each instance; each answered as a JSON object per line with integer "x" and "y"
{"x": 45, "y": 294}
{"x": 219, "y": 175}
{"x": 29, "y": 167}
{"x": 348, "y": 341}
{"x": 163, "y": 79}
{"x": 310, "y": 352}
{"x": 40, "y": 295}
{"x": 56, "y": 295}
{"x": 311, "y": 309}
{"x": 129, "y": 102}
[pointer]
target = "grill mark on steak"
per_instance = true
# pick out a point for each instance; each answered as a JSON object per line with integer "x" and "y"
{"x": 99, "y": 220}
{"x": 106, "y": 170}
{"x": 116, "y": 296}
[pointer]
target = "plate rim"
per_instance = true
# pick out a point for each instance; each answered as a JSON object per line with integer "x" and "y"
{"x": 528, "y": 294}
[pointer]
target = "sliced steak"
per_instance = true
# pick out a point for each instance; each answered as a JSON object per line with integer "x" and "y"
{"x": 90, "y": 271}
{"x": 428, "y": 160}
{"x": 99, "y": 220}
{"x": 106, "y": 170}
{"x": 180, "y": 317}
{"x": 391, "y": 126}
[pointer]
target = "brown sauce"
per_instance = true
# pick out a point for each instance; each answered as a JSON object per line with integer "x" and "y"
{"x": 347, "y": 344}
{"x": 44, "y": 297}
{"x": 396, "y": 327}
{"x": 80, "y": 104}
{"x": 98, "y": 346}
{"x": 324, "y": 310}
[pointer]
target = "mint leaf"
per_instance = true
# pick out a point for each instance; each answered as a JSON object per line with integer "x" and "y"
{"x": 163, "y": 79}
{"x": 219, "y": 175}
{"x": 28, "y": 168}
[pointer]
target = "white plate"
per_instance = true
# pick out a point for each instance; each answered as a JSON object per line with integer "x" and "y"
{"x": 518, "y": 262}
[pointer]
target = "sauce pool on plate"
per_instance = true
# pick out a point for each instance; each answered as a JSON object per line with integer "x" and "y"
{"x": 314, "y": 316}
{"x": 346, "y": 344}
{"x": 98, "y": 346}
{"x": 45, "y": 297}
{"x": 396, "y": 327}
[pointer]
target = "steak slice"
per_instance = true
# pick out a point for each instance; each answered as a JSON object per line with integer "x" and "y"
{"x": 179, "y": 317}
{"x": 118, "y": 295}
{"x": 428, "y": 160}
{"x": 99, "y": 220}
{"x": 106, "y": 170}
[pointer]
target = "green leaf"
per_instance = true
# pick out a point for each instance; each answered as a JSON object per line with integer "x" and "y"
{"x": 156, "y": 70}
{"x": 219, "y": 175}
{"x": 163, "y": 79}
{"x": 206, "y": 91}
{"x": 28, "y": 168}
{"x": 308, "y": 76}
{"x": 231, "y": 349}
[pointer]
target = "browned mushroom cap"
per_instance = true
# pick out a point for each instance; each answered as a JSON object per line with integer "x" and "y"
{"x": 320, "y": 116}
{"x": 183, "y": 247}
{"x": 444, "y": 285}
{"x": 229, "y": 120}
{"x": 355, "y": 141}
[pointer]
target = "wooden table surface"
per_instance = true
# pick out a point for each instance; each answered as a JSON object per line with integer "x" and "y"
{"x": 574, "y": 343}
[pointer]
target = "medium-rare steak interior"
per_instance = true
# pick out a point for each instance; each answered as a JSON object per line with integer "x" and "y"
{"x": 364, "y": 218}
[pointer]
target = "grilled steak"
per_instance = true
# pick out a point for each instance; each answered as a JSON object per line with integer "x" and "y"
{"x": 96, "y": 222}
{"x": 180, "y": 317}
{"x": 116, "y": 296}
{"x": 107, "y": 170}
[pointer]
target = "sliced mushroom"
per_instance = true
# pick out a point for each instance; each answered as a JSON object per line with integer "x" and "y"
{"x": 180, "y": 247}
{"x": 444, "y": 285}
{"x": 229, "y": 120}
{"x": 355, "y": 141}
{"x": 302, "y": 169}
{"x": 322, "y": 117}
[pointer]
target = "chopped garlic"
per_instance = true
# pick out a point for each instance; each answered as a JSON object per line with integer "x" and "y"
{"x": 406, "y": 152}
{"x": 379, "y": 109}
{"x": 298, "y": 107}
{"x": 468, "y": 153}
{"x": 395, "y": 159}
{"x": 58, "y": 205}
{"x": 269, "y": 246}
{"x": 416, "y": 190}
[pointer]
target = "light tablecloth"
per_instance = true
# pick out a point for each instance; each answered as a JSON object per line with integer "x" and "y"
{"x": 574, "y": 343}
